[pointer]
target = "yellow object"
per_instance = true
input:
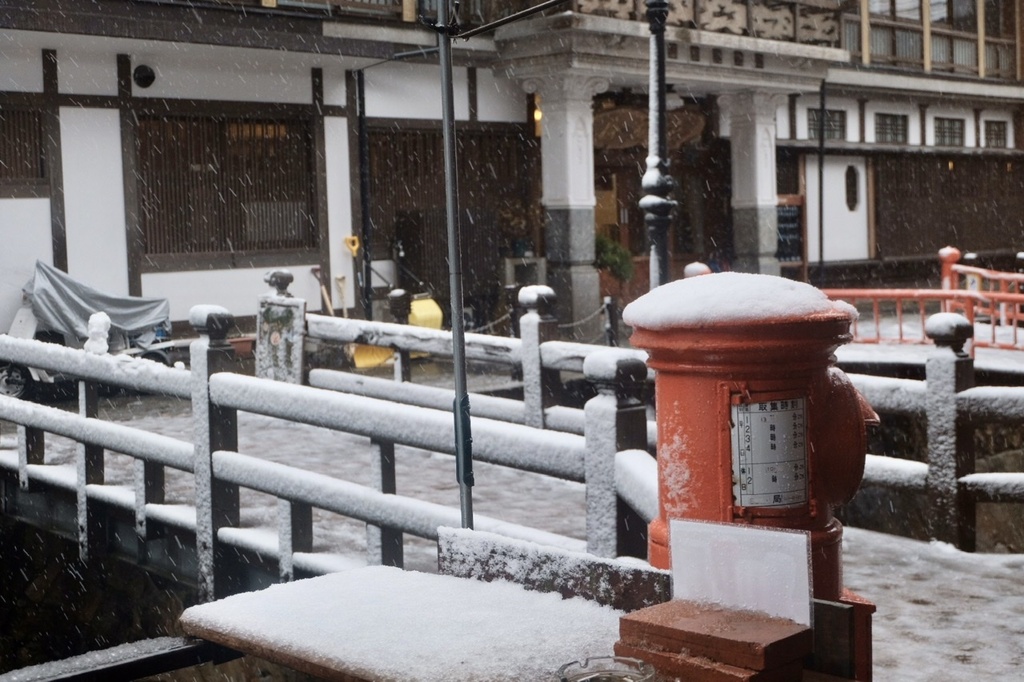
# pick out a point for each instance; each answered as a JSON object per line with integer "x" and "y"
{"x": 366, "y": 357}
{"x": 424, "y": 313}
{"x": 352, "y": 242}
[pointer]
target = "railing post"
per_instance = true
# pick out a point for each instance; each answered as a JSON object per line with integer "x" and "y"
{"x": 537, "y": 326}
{"x": 89, "y": 458}
{"x": 384, "y": 546}
{"x": 216, "y": 428}
{"x": 280, "y": 331}
{"x": 949, "y": 256}
{"x": 512, "y": 302}
{"x": 611, "y": 322}
{"x": 400, "y": 304}
{"x": 89, "y": 471}
{"x": 31, "y": 450}
{"x": 614, "y": 420}
{"x": 294, "y": 534}
{"x": 948, "y": 371}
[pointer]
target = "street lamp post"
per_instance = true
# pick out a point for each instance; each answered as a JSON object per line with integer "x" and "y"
{"x": 657, "y": 183}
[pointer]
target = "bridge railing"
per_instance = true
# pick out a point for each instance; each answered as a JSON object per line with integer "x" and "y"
{"x": 220, "y": 471}
{"x": 947, "y": 400}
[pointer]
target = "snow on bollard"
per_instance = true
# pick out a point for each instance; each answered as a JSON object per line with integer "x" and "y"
{"x": 948, "y": 371}
{"x": 537, "y": 325}
{"x": 614, "y": 420}
{"x": 99, "y": 329}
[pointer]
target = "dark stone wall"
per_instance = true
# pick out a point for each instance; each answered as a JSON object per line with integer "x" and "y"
{"x": 53, "y": 606}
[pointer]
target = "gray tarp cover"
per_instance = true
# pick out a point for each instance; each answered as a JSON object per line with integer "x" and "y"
{"x": 63, "y": 305}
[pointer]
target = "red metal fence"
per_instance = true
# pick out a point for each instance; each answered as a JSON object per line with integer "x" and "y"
{"x": 992, "y": 300}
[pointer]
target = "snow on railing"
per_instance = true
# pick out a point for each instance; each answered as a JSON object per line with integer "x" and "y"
{"x": 537, "y": 356}
{"x": 220, "y": 470}
{"x": 951, "y": 406}
{"x": 947, "y": 477}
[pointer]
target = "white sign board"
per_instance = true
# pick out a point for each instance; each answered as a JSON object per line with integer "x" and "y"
{"x": 742, "y": 567}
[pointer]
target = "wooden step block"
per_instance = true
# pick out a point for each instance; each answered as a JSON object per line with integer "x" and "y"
{"x": 699, "y": 669}
{"x": 743, "y": 639}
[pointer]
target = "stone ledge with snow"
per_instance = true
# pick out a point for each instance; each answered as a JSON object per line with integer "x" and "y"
{"x": 381, "y": 624}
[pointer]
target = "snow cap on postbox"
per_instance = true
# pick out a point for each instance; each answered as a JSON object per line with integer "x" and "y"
{"x": 758, "y": 312}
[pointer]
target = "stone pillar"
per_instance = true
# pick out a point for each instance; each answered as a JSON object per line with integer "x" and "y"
{"x": 567, "y": 173}
{"x": 754, "y": 189}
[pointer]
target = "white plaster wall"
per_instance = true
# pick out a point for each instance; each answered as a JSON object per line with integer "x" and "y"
{"x": 87, "y": 73}
{"x": 339, "y": 210}
{"x": 335, "y": 91}
{"x": 782, "y": 131}
{"x": 237, "y": 290}
{"x": 26, "y": 237}
{"x": 882, "y": 107}
{"x": 499, "y": 98}
{"x": 201, "y": 73}
{"x": 21, "y": 68}
{"x": 94, "y": 198}
{"x": 846, "y": 231}
{"x": 412, "y": 91}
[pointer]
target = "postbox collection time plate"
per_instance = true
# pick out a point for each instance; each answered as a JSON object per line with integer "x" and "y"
{"x": 769, "y": 453}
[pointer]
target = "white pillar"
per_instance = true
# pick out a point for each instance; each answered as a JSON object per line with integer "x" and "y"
{"x": 567, "y": 173}
{"x": 754, "y": 189}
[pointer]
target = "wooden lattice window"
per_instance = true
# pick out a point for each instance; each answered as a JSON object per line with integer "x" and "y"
{"x": 21, "y": 146}
{"x": 891, "y": 128}
{"x": 225, "y": 185}
{"x": 995, "y": 134}
{"x": 949, "y": 132}
{"x": 835, "y": 124}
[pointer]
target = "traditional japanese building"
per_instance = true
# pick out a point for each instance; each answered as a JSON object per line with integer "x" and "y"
{"x": 184, "y": 148}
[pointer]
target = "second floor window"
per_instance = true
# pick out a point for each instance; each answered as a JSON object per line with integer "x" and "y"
{"x": 835, "y": 124}
{"x": 995, "y": 133}
{"x": 891, "y": 128}
{"x": 949, "y": 132}
{"x": 896, "y": 9}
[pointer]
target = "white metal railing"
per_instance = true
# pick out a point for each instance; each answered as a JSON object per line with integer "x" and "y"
{"x": 220, "y": 470}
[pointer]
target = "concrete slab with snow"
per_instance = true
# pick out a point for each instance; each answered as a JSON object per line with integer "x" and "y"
{"x": 381, "y": 624}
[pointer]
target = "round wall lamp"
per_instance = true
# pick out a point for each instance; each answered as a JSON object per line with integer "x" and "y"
{"x": 143, "y": 75}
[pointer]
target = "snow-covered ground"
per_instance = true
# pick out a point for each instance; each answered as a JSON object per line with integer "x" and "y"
{"x": 942, "y": 614}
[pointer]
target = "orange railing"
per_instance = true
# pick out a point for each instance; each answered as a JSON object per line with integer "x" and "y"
{"x": 992, "y": 300}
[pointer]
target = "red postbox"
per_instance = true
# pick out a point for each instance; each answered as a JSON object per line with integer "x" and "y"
{"x": 755, "y": 424}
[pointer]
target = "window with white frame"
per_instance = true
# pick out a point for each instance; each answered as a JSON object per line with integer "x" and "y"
{"x": 835, "y": 124}
{"x": 995, "y": 134}
{"x": 891, "y": 128}
{"x": 949, "y": 132}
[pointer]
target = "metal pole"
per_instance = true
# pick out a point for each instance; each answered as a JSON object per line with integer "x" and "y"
{"x": 463, "y": 436}
{"x": 366, "y": 290}
{"x": 657, "y": 183}
{"x": 821, "y": 186}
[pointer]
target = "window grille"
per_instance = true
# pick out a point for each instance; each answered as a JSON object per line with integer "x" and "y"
{"x": 891, "y": 128}
{"x": 995, "y": 134}
{"x": 835, "y": 124}
{"x": 225, "y": 185}
{"x": 21, "y": 146}
{"x": 949, "y": 132}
